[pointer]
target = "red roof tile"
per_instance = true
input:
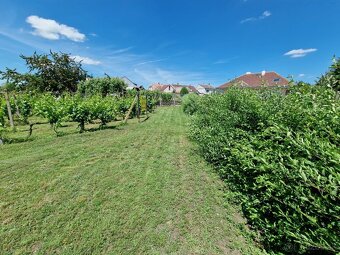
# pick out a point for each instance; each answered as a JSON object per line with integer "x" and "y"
{"x": 254, "y": 80}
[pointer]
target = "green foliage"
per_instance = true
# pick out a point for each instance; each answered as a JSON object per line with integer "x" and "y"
{"x": 2, "y": 112}
{"x": 282, "y": 154}
{"x": 55, "y": 110}
{"x": 166, "y": 97}
{"x": 102, "y": 86}
{"x": 81, "y": 111}
{"x": 69, "y": 107}
{"x": 190, "y": 103}
{"x": 53, "y": 72}
{"x": 25, "y": 103}
{"x": 103, "y": 109}
{"x": 184, "y": 91}
{"x": 332, "y": 78}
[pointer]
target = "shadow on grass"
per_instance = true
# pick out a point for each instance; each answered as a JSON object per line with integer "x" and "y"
{"x": 7, "y": 140}
{"x": 118, "y": 127}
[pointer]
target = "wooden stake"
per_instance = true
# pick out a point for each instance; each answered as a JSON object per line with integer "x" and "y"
{"x": 16, "y": 106}
{"x": 9, "y": 110}
{"x": 130, "y": 110}
{"x": 138, "y": 105}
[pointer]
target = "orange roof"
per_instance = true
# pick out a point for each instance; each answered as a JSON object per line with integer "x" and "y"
{"x": 253, "y": 80}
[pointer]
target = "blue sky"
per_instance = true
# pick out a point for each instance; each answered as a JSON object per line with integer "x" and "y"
{"x": 188, "y": 42}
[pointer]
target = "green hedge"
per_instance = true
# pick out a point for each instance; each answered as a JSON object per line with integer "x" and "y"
{"x": 281, "y": 153}
{"x": 190, "y": 103}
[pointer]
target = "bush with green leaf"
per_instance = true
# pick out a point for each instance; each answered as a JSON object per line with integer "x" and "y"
{"x": 25, "y": 103}
{"x": 331, "y": 79}
{"x": 184, "y": 91}
{"x": 55, "y": 110}
{"x": 281, "y": 153}
{"x": 103, "y": 109}
{"x": 190, "y": 103}
{"x": 81, "y": 111}
{"x": 102, "y": 86}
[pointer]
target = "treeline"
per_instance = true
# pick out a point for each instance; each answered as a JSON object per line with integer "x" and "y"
{"x": 280, "y": 154}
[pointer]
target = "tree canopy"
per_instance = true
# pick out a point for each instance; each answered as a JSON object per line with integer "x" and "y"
{"x": 53, "y": 72}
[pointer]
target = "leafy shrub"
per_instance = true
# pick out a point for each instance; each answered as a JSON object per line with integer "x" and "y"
{"x": 102, "y": 86}
{"x": 80, "y": 111}
{"x": 184, "y": 91}
{"x": 190, "y": 103}
{"x": 103, "y": 109}
{"x": 332, "y": 78}
{"x": 166, "y": 97}
{"x": 281, "y": 153}
{"x": 55, "y": 110}
{"x": 25, "y": 104}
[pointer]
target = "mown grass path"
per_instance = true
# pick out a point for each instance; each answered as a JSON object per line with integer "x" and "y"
{"x": 139, "y": 189}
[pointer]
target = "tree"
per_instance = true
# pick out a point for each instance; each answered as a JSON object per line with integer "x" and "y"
{"x": 184, "y": 91}
{"x": 53, "y": 72}
{"x": 102, "y": 86}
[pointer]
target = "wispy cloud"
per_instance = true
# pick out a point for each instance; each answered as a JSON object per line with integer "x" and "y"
{"x": 224, "y": 61}
{"x": 86, "y": 60}
{"x": 221, "y": 61}
{"x": 152, "y": 75}
{"x": 298, "y": 53}
{"x": 301, "y": 75}
{"x": 122, "y": 50}
{"x": 150, "y": 61}
{"x": 52, "y": 30}
{"x": 264, "y": 15}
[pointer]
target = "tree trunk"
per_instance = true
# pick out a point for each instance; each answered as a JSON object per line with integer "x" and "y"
{"x": 9, "y": 110}
{"x": 82, "y": 126}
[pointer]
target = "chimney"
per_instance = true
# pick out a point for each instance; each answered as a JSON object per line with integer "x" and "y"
{"x": 263, "y": 73}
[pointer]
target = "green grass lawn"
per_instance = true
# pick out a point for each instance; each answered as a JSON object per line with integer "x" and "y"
{"x": 136, "y": 189}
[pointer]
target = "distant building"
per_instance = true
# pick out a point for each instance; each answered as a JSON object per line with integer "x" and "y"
{"x": 130, "y": 84}
{"x": 172, "y": 88}
{"x": 257, "y": 80}
{"x": 205, "y": 89}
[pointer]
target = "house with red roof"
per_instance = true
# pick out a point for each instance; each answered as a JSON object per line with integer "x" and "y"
{"x": 257, "y": 80}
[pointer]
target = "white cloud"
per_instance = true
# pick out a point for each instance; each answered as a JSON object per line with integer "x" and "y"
{"x": 86, "y": 60}
{"x": 299, "y": 52}
{"x": 264, "y": 15}
{"x": 52, "y": 30}
{"x": 301, "y": 75}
